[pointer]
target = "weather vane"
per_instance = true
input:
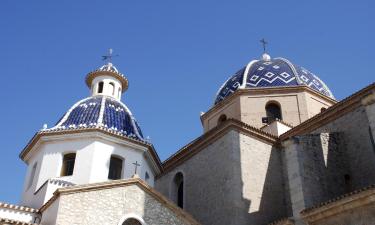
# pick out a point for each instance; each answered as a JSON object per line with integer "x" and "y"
{"x": 263, "y": 41}
{"x": 109, "y": 56}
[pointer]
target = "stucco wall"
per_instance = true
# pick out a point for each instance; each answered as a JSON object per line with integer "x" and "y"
{"x": 235, "y": 180}
{"x": 93, "y": 153}
{"x": 110, "y": 207}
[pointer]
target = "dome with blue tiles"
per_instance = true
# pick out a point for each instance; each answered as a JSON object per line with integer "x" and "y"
{"x": 271, "y": 72}
{"x": 101, "y": 112}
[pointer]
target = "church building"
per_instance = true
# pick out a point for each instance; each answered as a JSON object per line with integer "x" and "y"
{"x": 277, "y": 148}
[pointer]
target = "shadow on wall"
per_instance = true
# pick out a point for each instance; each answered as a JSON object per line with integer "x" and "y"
{"x": 272, "y": 204}
{"x": 324, "y": 167}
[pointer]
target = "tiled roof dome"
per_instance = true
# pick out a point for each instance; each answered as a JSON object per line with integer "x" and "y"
{"x": 267, "y": 72}
{"x": 102, "y": 112}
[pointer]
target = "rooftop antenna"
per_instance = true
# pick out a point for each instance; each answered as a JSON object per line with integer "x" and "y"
{"x": 109, "y": 56}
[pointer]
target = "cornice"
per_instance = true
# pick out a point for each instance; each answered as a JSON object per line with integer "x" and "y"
{"x": 119, "y": 76}
{"x": 209, "y": 137}
{"x": 15, "y": 222}
{"x": 337, "y": 110}
{"x": 45, "y": 134}
{"x": 120, "y": 183}
{"x": 265, "y": 90}
{"x": 18, "y": 208}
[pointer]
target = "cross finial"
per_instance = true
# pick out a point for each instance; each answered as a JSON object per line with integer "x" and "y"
{"x": 109, "y": 56}
{"x": 264, "y": 43}
{"x": 136, "y": 164}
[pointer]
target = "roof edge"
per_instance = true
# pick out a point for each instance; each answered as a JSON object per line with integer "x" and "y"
{"x": 331, "y": 113}
{"x": 120, "y": 183}
{"x": 197, "y": 145}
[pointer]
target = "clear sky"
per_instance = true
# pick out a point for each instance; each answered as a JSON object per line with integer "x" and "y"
{"x": 176, "y": 54}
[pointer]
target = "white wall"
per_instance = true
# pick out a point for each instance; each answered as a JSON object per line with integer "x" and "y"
{"x": 106, "y": 87}
{"x": 93, "y": 152}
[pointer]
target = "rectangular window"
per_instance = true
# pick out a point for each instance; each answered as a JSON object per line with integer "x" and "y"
{"x": 68, "y": 164}
{"x": 32, "y": 175}
{"x": 115, "y": 168}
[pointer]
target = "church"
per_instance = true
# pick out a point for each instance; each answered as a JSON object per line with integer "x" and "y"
{"x": 276, "y": 148}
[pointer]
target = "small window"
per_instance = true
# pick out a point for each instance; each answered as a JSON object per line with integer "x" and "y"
{"x": 32, "y": 175}
{"x": 273, "y": 112}
{"x": 147, "y": 177}
{"x": 131, "y": 221}
{"x": 178, "y": 190}
{"x": 323, "y": 109}
{"x": 100, "y": 87}
{"x": 112, "y": 88}
{"x": 221, "y": 119}
{"x": 119, "y": 92}
{"x": 115, "y": 168}
{"x": 68, "y": 164}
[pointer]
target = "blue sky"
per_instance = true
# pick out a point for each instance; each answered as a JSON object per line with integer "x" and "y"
{"x": 176, "y": 54}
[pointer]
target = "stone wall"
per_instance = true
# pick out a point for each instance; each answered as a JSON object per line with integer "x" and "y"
{"x": 235, "y": 180}
{"x": 360, "y": 153}
{"x": 110, "y": 207}
{"x": 315, "y": 165}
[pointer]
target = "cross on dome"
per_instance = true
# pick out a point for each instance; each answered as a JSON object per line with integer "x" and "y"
{"x": 109, "y": 56}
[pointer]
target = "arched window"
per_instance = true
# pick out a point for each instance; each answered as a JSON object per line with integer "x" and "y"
{"x": 68, "y": 164}
{"x": 323, "y": 109}
{"x": 119, "y": 92}
{"x": 115, "y": 168}
{"x": 100, "y": 87}
{"x": 273, "y": 111}
{"x": 32, "y": 175}
{"x": 178, "y": 190}
{"x": 131, "y": 221}
{"x": 221, "y": 119}
{"x": 112, "y": 88}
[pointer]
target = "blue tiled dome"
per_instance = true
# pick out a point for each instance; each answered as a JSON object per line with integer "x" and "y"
{"x": 101, "y": 111}
{"x": 267, "y": 72}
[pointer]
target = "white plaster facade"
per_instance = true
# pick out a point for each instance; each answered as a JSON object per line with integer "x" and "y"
{"x": 93, "y": 151}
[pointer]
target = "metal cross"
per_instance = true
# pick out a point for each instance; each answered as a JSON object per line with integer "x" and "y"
{"x": 136, "y": 164}
{"x": 264, "y": 44}
{"x": 109, "y": 56}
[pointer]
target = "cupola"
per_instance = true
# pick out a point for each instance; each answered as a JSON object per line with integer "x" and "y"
{"x": 107, "y": 80}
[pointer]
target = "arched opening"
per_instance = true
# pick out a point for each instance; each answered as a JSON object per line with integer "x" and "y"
{"x": 119, "y": 92}
{"x": 273, "y": 111}
{"x": 68, "y": 164}
{"x": 131, "y": 221}
{"x": 100, "y": 87}
{"x": 112, "y": 88}
{"x": 115, "y": 168}
{"x": 323, "y": 109}
{"x": 178, "y": 190}
{"x": 221, "y": 119}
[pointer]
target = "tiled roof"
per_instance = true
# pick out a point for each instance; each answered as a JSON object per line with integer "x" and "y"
{"x": 277, "y": 72}
{"x": 101, "y": 111}
{"x": 15, "y": 222}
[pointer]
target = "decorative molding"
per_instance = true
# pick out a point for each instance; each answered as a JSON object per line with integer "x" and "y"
{"x": 15, "y": 222}
{"x": 49, "y": 133}
{"x": 121, "y": 183}
{"x": 265, "y": 90}
{"x": 19, "y": 208}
